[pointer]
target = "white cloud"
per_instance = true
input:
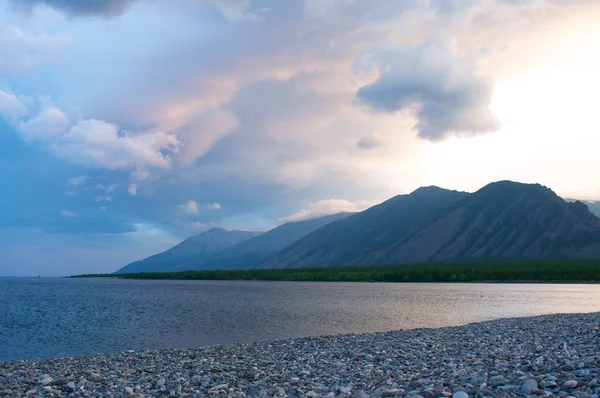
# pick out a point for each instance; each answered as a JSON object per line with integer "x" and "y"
{"x": 197, "y": 225}
{"x": 77, "y": 181}
{"x": 107, "y": 188}
{"x": 11, "y": 107}
{"x": 190, "y": 207}
{"x": 325, "y": 208}
{"x": 21, "y": 50}
{"x": 95, "y": 143}
{"x": 202, "y": 132}
{"x": 68, "y": 213}
{"x": 236, "y": 10}
{"x": 213, "y": 206}
{"x": 323, "y": 8}
{"x": 132, "y": 189}
{"x": 49, "y": 124}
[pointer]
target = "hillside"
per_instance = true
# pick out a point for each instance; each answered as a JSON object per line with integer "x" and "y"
{"x": 359, "y": 239}
{"x": 221, "y": 249}
{"x": 503, "y": 220}
{"x": 594, "y": 206}
{"x": 252, "y": 252}
{"x": 190, "y": 252}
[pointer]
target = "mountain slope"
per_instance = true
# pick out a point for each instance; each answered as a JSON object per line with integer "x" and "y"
{"x": 190, "y": 252}
{"x": 503, "y": 220}
{"x": 250, "y": 253}
{"x": 359, "y": 239}
{"x": 594, "y": 206}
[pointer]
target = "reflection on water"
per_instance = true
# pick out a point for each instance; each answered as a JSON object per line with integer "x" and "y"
{"x": 66, "y": 317}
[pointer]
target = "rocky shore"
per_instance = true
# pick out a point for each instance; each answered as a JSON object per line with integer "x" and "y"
{"x": 556, "y": 355}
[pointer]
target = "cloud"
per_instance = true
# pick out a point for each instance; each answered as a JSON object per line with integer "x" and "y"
{"x": 81, "y": 8}
{"x": 449, "y": 94}
{"x": 199, "y": 135}
{"x": 213, "y": 206}
{"x": 236, "y": 10}
{"x": 68, "y": 213}
{"x": 95, "y": 143}
{"x": 323, "y": 8}
{"x": 132, "y": 189}
{"x": 90, "y": 224}
{"x": 190, "y": 207}
{"x": 325, "y": 208}
{"x": 77, "y": 181}
{"x": 21, "y": 50}
{"x": 70, "y": 222}
{"x": 49, "y": 124}
{"x": 11, "y": 107}
{"x": 371, "y": 141}
{"x": 197, "y": 225}
{"x": 107, "y": 188}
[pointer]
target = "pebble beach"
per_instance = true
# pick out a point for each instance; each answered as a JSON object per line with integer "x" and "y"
{"x": 544, "y": 356}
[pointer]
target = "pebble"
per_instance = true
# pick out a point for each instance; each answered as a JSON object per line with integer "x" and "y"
{"x": 528, "y": 386}
{"x": 547, "y": 356}
{"x": 45, "y": 380}
{"x": 570, "y": 384}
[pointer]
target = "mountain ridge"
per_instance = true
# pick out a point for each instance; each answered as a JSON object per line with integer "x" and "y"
{"x": 503, "y": 220}
{"x": 190, "y": 250}
{"x": 233, "y": 249}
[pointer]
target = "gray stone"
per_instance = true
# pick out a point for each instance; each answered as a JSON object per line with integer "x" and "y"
{"x": 460, "y": 394}
{"x": 46, "y": 380}
{"x": 495, "y": 381}
{"x": 528, "y": 386}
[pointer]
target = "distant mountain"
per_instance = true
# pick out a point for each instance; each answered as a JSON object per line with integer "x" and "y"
{"x": 221, "y": 249}
{"x": 252, "y": 252}
{"x": 362, "y": 238}
{"x": 190, "y": 252}
{"x": 593, "y": 205}
{"x": 504, "y": 220}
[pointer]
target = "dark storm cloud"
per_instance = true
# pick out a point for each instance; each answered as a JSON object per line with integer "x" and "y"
{"x": 82, "y": 8}
{"x": 447, "y": 92}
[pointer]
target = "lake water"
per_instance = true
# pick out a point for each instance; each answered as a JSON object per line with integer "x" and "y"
{"x": 68, "y": 317}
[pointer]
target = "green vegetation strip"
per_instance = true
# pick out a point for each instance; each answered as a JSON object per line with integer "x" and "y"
{"x": 573, "y": 271}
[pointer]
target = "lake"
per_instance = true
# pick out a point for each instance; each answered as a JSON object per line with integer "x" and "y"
{"x": 44, "y": 317}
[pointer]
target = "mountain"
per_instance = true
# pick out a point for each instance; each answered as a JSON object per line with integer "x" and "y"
{"x": 504, "y": 220}
{"x": 220, "y": 249}
{"x": 252, "y": 252}
{"x": 594, "y": 206}
{"x": 360, "y": 238}
{"x": 190, "y": 252}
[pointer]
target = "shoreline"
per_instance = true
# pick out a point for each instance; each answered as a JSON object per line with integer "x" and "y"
{"x": 482, "y": 282}
{"x": 556, "y": 353}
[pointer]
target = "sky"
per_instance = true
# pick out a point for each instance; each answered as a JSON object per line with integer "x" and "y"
{"x": 128, "y": 125}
